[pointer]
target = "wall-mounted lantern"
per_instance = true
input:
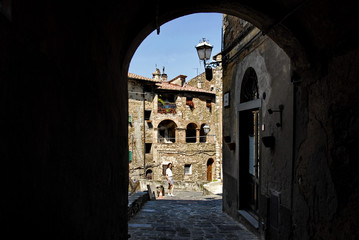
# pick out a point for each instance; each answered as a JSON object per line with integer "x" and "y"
{"x": 204, "y": 51}
{"x": 206, "y": 129}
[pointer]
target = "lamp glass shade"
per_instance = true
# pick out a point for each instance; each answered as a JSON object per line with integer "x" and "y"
{"x": 204, "y": 50}
{"x": 206, "y": 129}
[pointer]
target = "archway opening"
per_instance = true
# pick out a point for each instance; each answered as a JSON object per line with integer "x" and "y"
{"x": 248, "y": 187}
{"x": 167, "y": 131}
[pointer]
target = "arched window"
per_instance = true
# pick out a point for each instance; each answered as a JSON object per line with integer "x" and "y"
{"x": 249, "y": 89}
{"x": 167, "y": 131}
{"x": 149, "y": 174}
{"x": 191, "y": 133}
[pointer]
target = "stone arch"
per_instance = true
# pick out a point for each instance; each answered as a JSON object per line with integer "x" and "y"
{"x": 167, "y": 131}
{"x": 260, "y": 17}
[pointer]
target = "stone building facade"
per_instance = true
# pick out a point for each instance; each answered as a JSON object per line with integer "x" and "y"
{"x": 167, "y": 122}
{"x": 258, "y": 121}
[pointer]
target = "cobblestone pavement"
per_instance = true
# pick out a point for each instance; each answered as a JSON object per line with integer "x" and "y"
{"x": 187, "y": 215}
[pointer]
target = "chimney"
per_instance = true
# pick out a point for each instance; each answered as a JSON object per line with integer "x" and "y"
{"x": 156, "y": 75}
{"x": 164, "y": 75}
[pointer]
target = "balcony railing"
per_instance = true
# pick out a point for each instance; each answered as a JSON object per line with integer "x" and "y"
{"x": 166, "y": 107}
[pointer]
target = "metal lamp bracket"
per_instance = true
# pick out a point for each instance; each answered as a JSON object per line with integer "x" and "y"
{"x": 280, "y": 110}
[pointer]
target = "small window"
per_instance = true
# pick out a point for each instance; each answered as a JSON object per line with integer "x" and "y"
{"x": 209, "y": 105}
{"x": 189, "y": 102}
{"x": 149, "y": 174}
{"x": 147, "y": 114}
{"x": 148, "y": 147}
{"x": 187, "y": 169}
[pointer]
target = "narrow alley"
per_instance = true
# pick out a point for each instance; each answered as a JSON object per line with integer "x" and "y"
{"x": 187, "y": 215}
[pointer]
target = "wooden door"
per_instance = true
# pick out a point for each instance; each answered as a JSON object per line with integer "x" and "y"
{"x": 209, "y": 169}
{"x": 209, "y": 173}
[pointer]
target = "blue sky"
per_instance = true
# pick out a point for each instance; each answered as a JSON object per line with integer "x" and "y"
{"x": 175, "y": 49}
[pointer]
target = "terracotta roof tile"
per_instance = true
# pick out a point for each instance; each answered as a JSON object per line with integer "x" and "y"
{"x": 169, "y": 86}
{"x": 138, "y": 77}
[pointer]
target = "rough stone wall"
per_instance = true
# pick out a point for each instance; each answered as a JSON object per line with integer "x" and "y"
{"x": 326, "y": 179}
{"x": 232, "y": 28}
{"x": 138, "y": 102}
{"x": 180, "y": 152}
{"x": 216, "y": 85}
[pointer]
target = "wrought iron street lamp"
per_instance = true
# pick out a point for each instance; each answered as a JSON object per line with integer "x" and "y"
{"x": 204, "y": 51}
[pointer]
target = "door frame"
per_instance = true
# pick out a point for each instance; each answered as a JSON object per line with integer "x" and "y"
{"x": 247, "y": 106}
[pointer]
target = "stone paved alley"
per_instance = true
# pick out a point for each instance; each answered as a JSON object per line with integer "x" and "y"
{"x": 187, "y": 215}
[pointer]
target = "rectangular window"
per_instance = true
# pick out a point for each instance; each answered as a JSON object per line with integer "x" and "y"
{"x": 147, "y": 114}
{"x": 148, "y": 147}
{"x": 187, "y": 169}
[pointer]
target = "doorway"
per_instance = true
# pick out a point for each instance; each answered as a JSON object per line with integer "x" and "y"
{"x": 209, "y": 169}
{"x": 249, "y": 159}
{"x": 249, "y": 135}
